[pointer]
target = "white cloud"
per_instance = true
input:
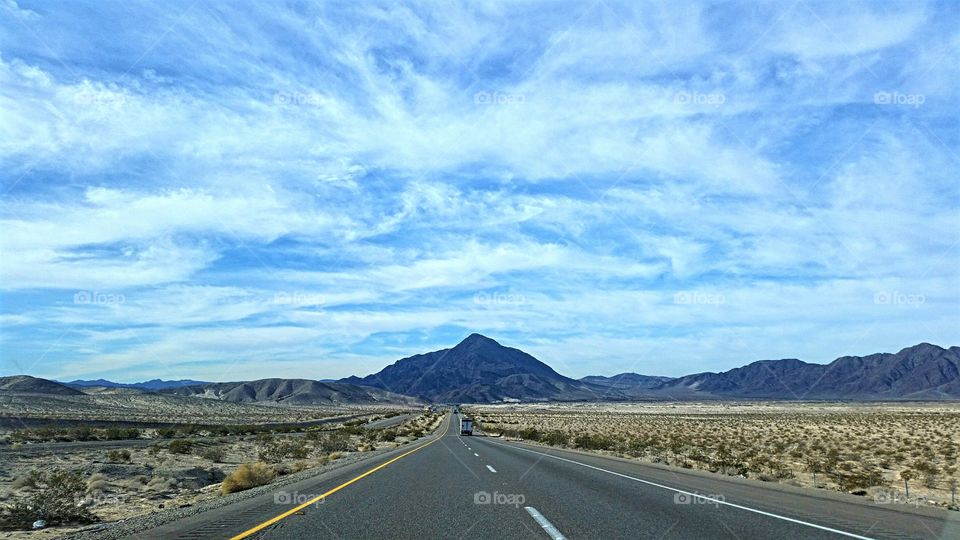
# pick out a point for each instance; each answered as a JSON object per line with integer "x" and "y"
{"x": 49, "y": 244}
{"x": 831, "y": 29}
{"x": 398, "y": 160}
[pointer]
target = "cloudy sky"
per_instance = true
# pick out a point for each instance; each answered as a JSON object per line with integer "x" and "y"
{"x": 220, "y": 191}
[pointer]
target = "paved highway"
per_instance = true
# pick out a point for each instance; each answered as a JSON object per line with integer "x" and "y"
{"x": 450, "y": 486}
{"x": 388, "y": 422}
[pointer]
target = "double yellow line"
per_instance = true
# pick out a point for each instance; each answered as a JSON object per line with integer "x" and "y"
{"x": 318, "y": 498}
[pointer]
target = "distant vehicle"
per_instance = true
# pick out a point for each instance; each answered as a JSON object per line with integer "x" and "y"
{"x": 466, "y": 426}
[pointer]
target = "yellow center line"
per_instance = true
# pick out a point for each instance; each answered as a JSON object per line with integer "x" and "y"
{"x": 294, "y": 510}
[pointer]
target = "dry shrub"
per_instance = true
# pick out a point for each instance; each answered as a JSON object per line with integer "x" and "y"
{"x": 215, "y": 454}
{"x": 338, "y": 441}
{"x": 247, "y": 476}
{"x": 180, "y": 446}
{"x": 118, "y": 456}
{"x": 97, "y": 483}
{"x": 276, "y": 450}
{"x": 160, "y": 483}
{"x": 55, "y": 500}
{"x": 24, "y": 481}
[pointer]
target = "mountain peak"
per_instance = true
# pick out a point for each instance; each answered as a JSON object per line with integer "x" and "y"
{"x": 476, "y": 370}
{"x": 476, "y": 338}
{"x": 924, "y": 346}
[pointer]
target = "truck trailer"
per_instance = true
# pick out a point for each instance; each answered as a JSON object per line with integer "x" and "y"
{"x": 466, "y": 426}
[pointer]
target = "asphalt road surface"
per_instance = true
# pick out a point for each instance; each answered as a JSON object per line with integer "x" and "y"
{"x": 450, "y": 486}
{"x": 388, "y": 422}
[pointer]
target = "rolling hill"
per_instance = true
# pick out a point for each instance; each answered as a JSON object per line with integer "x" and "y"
{"x": 151, "y": 385}
{"x": 291, "y": 392}
{"x": 627, "y": 380}
{"x": 25, "y": 384}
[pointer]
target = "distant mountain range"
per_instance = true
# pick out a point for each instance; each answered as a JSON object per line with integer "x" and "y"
{"x": 263, "y": 391}
{"x": 480, "y": 370}
{"x": 627, "y": 380}
{"x": 292, "y": 392}
{"x": 153, "y": 384}
{"x": 921, "y": 372}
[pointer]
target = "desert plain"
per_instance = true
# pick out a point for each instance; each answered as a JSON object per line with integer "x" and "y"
{"x": 893, "y": 453}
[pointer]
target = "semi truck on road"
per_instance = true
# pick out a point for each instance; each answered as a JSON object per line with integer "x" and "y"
{"x": 466, "y": 426}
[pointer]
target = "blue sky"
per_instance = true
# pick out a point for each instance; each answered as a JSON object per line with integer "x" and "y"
{"x": 228, "y": 191}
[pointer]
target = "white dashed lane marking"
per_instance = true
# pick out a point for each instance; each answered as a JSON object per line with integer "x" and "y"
{"x": 547, "y": 526}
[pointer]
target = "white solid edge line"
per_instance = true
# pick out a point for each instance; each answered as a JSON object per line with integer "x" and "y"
{"x": 491, "y": 469}
{"x": 747, "y": 508}
{"x": 547, "y": 526}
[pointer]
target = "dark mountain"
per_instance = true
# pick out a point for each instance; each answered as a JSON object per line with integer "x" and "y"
{"x": 779, "y": 379}
{"x": 923, "y": 371}
{"x": 290, "y": 392}
{"x": 480, "y": 370}
{"x": 628, "y": 385}
{"x": 152, "y": 385}
{"x": 25, "y": 384}
{"x": 627, "y": 380}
